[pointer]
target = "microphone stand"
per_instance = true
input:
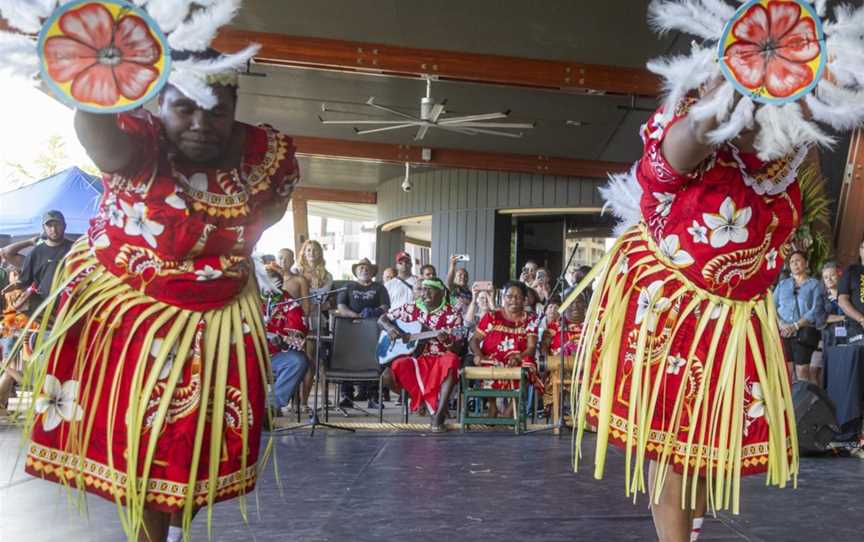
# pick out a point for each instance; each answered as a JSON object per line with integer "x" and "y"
{"x": 314, "y": 421}
{"x": 559, "y": 425}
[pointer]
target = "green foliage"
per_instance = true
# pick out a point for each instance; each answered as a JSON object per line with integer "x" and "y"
{"x": 815, "y": 206}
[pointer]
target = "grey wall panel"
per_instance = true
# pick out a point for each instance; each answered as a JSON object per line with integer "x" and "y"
{"x": 387, "y": 244}
{"x": 463, "y": 205}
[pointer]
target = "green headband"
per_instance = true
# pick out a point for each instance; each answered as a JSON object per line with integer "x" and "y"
{"x": 433, "y": 283}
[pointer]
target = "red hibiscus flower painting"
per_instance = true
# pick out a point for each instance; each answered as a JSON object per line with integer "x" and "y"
{"x": 773, "y": 44}
{"x": 104, "y": 58}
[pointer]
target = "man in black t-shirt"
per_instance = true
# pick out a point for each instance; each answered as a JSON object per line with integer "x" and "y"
{"x": 362, "y": 299}
{"x": 850, "y": 296}
{"x": 40, "y": 265}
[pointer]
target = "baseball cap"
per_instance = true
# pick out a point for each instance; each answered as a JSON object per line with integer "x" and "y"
{"x": 53, "y": 215}
{"x": 402, "y": 255}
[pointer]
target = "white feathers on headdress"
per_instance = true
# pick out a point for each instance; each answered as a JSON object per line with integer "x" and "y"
{"x": 265, "y": 283}
{"x": 26, "y": 15}
{"x": 681, "y": 74}
{"x": 781, "y": 129}
{"x": 622, "y": 195}
{"x": 199, "y": 30}
{"x": 168, "y": 14}
{"x": 741, "y": 119}
{"x": 20, "y": 60}
{"x": 190, "y": 76}
{"x": 691, "y": 16}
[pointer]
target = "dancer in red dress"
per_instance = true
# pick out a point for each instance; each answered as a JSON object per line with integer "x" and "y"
{"x": 680, "y": 362}
{"x": 507, "y": 337}
{"x": 429, "y": 376}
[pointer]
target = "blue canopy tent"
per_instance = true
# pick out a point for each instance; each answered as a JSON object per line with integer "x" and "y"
{"x": 72, "y": 192}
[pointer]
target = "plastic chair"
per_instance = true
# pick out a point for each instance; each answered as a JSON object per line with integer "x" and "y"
{"x": 353, "y": 357}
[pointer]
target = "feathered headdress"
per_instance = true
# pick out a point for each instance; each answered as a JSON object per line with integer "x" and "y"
{"x": 777, "y": 53}
{"x": 111, "y": 55}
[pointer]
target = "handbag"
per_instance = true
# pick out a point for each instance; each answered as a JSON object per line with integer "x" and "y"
{"x": 807, "y": 336}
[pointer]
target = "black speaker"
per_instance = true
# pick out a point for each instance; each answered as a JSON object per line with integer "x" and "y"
{"x": 816, "y": 417}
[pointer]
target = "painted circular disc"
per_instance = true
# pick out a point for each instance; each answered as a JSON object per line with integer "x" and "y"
{"x": 773, "y": 50}
{"x": 103, "y": 56}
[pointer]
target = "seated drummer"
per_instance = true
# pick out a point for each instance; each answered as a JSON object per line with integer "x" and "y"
{"x": 430, "y": 375}
{"x": 572, "y": 320}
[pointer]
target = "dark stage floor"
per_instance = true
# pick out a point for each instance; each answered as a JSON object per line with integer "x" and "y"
{"x": 412, "y": 486}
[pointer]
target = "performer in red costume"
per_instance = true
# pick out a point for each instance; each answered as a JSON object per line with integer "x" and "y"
{"x": 680, "y": 362}
{"x": 154, "y": 360}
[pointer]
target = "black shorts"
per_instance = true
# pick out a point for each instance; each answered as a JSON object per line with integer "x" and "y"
{"x": 796, "y": 352}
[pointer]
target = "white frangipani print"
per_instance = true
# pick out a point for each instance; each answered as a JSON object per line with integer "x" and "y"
{"x": 670, "y": 247}
{"x": 137, "y": 223}
{"x": 58, "y": 403}
{"x": 650, "y": 304}
{"x": 729, "y": 224}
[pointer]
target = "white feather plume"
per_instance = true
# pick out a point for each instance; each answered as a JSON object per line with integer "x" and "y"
{"x": 194, "y": 86}
{"x": 717, "y": 106}
{"x": 198, "y": 31}
{"x": 689, "y": 16}
{"x": 265, "y": 283}
{"x": 720, "y": 9}
{"x": 741, "y": 119}
{"x": 681, "y": 74}
{"x": 847, "y": 20}
{"x": 841, "y": 108}
{"x": 784, "y": 129}
{"x": 169, "y": 14}
{"x": 26, "y": 15}
{"x": 623, "y": 194}
{"x": 20, "y": 58}
{"x": 821, "y": 7}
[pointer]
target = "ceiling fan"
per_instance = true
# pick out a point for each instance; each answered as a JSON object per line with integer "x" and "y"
{"x": 432, "y": 116}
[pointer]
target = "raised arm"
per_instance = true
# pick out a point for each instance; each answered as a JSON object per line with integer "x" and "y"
{"x": 110, "y": 148}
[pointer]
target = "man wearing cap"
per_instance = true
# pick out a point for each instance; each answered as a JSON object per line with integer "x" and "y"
{"x": 40, "y": 265}
{"x": 401, "y": 288}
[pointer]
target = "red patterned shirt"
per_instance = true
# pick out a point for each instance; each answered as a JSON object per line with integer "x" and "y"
{"x": 184, "y": 234}
{"x": 501, "y": 336}
{"x": 285, "y": 325}
{"x": 445, "y": 318}
{"x": 725, "y": 225}
{"x": 572, "y": 335}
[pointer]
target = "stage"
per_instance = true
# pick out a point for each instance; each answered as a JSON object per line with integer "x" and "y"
{"x": 377, "y": 485}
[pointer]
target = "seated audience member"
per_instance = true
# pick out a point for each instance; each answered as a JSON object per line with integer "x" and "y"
{"x": 462, "y": 301}
{"x": 542, "y": 285}
{"x": 39, "y": 266}
{"x": 293, "y": 282}
{"x": 362, "y": 298}
{"x": 532, "y": 300}
{"x": 800, "y": 310}
{"x": 507, "y": 337}
{"x": 850, "y": 297}
{"x": 529, "y": 272}
{"x": 572, "y": 321}
{"x": 428, "y": 272}
{"x": 481, "y": 303}
{"x": 457, "y": 280}
{"x": 286, "y": 334}
{"x": 401, "y": 288}
{"x": 430, "y": 375}
{"x": 387, "y": 275}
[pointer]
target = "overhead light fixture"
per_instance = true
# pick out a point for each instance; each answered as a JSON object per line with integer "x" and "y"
{"x": 407, "y": 185}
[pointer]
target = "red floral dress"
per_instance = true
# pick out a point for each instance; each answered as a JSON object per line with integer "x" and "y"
{"x": 500, "y": 337}
{"x": 681, "y": 342}
{"x": 158, "y": 350}
{"x": 422, "y": 375}
{"x": 286, "y": 325}
{"x": 572, "y": 335}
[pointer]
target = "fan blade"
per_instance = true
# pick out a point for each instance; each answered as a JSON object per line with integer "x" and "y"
{"x": 384, "y": 129}
{"x": 437, "y": 110}
{"x": 421, "y": 132}
{"x": 371, "y": 102}
{"x": 472, "y": 118}
{"x": 520, "y": 125}
{"x": 476, "y": 131}
{"x": 362, "y": 121}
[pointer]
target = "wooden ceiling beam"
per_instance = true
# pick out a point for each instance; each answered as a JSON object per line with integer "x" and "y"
{"x": 848, "y": 226}
{"x": 311, "y": 193}
{"x": 356, "y": 56}
{"x": 456, "y": 158}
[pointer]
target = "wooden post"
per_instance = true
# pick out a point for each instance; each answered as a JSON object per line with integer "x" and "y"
{"x": 849, "y": 228}
{"x": 300, "y": 211}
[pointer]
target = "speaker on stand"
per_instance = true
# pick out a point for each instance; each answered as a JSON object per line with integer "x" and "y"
{"x": 816, "y": 417}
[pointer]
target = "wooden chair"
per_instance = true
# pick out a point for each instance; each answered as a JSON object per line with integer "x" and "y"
{"x": 519, "y": 395}
{"x": 553, "y": 365}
